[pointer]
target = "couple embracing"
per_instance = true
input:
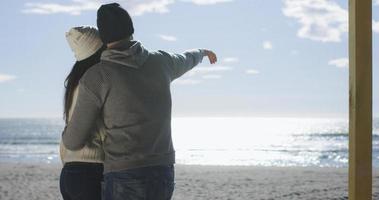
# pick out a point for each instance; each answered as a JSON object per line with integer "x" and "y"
{"x": 117, "y": 142}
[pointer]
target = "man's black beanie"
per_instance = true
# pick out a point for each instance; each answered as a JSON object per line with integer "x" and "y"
{"x": 114, "y": 23}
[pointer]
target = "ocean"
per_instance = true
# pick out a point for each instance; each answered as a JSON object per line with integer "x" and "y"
{"x": 210, "y": 141}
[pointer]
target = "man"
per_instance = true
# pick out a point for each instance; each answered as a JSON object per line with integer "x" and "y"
{"x": 130, "y": 90}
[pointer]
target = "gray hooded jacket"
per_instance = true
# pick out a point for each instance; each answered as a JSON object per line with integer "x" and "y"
{"x": 130, "y": 90}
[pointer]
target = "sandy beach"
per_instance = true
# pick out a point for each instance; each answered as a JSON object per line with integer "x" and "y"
{"x": 19, "y": 181}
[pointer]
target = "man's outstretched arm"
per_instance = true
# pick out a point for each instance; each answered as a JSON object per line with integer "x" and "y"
{"x": 181, "y": 63}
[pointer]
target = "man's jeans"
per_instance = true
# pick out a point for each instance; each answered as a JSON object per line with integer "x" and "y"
{"x": 147, "y": 183}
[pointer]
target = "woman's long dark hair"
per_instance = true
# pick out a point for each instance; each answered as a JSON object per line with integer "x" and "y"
{"x": 72, "y": 80}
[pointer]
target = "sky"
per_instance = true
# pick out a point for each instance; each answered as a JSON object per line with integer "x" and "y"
{"x": 279, "y": 58}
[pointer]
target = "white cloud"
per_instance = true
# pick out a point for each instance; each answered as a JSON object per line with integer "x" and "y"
{"x": 252, "y": 71}
{"x": 321, "y": 20}
{"x": 212, "y": 76}
{"x": 267, "y": 45}
{"x": 6, "y": 77}
{"x": 199, "y": 74}
{"x": 375, "y": 26}
{"x": 183, "y": 81}
{"x": 230, "y": 60}
{"x": 340, "y": 62}
{"x": 210, "y": 69}
{"x": 376, "y": 2}
{"x": 294, "y": 52}
{"x": 169, "y": 38}
{"x": 135, "y": 7}
{"x": 207, "y": 2}
{"x": 76, "y": 7}
{"x": 140, "y": 7}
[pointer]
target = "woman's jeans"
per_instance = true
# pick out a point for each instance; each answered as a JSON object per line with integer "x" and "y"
{"x": 147, "y": 183}
{"x": 81, "y": 181}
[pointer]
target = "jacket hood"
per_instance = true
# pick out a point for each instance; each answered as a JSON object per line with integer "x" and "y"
{"x": 127, "y": 53}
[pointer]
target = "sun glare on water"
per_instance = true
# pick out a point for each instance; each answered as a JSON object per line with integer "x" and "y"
{"x": 260, "y": 141}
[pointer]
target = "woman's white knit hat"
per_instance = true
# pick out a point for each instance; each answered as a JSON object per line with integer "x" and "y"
{"x": 84, "y": 41}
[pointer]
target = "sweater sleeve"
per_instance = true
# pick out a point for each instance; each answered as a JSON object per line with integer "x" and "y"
{"x": 179, "y": 64}
{"x": 87, "y": 109}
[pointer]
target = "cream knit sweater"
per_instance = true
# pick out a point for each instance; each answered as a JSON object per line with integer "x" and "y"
{"x": 93, "y": 151}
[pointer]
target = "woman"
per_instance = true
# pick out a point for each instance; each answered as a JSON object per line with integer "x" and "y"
{"x": 82, "y": 172}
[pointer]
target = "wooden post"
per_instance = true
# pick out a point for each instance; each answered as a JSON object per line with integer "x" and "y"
{"x": 360, "y": 100}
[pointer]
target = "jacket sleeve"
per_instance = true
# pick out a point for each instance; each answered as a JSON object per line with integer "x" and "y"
{"x": 179, "y": 64}
{"x": 87, "y": 110}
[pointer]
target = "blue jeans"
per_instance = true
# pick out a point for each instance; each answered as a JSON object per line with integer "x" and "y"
{"x": 81, "y": 181}
{"x": 147, "y": 183}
